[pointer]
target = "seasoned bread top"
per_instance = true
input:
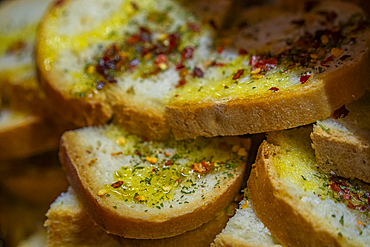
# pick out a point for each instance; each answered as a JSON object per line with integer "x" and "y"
{"x": 300, "y": 67}
{"x": 342, "y": 143}
{"x": 18, "y": 79}
{"x": 105, "y": 59}
{"x": 302, "y": 206}
{"x": 69, "y": 224}
{"x": 148, "y": 65}
{"x": 23, "y": 134}
{"x": 150, "y": 190}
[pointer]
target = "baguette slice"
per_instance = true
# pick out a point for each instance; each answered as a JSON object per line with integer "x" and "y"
{"x": 18, "y": 78}
{"x": 74, "y": 34}
{"x": 36, "y": 180}
{"x": 245, "y": 229}
{"x": 300, "y": 68}
{"x": 23, "y": 135}
{"x": 123, "y": 63}
{"x": 163, "y": 188}
{"x": 68, "y": 224}
{"x": 342, "y": 146}
{"x": 300, "y": 205}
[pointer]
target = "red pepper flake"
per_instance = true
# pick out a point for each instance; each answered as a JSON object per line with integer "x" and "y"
{"x": 137, "y": 152}
{"x": 168, "y": 163}
{"x": 274, "y": 89}
{"x": 117, "y": 184}
{"x": 59, "y": 2}
{"x": 220, "y": 49}
{"x": 334, "y": 186}
{"x": 179, "y": 181}
{"x": 179, "y": 66}
{"x": 327, "y": 61}
{"x": 340, "y": 113}
{"x": 238, "y": 74}
{"x": 179, "y": 84}
{"x": 202, "y": 167}
{"x": 133, "y": 39}
{"x": 346, "y": 194}
{"x": 193, "y": 27}
{"x": 242, "y": 52}
{"x": 173, "y": 42}
{"x": 161, "y": 58}
{"x": 187, "y": 53}
{"x": 134, "y": 5}
{"x": 197, "y": 72}
{"x": 368, "y": 199}
{"x": 304, "y": 78}
{"x": 216, "y": 64}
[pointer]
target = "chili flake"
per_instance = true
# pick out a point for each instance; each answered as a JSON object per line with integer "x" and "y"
{"x": 274, "y": 89}
{"x": 304, "y": 78}
{"x": 202, "y": 167}
{"x": 238, "y": 74}
{"x": 117, "y": 184}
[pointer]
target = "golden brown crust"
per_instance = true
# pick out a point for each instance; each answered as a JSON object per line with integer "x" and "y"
{"x": 346, "y": 156}
{"x": 129, "y": 223}
{"x": 292, "y": 224}
{"x": 31, "y": 137}
{"x": 225, "y": 240}
{"x": 274, "y": 111}
{"x": 37, "y": 180}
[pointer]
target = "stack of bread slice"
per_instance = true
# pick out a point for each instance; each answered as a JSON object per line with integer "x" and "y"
{"x": 164, "y": 100}
{"x": 30, "y": 172}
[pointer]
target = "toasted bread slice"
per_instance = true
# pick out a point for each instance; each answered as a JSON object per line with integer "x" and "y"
{"x": 18, "y": 78}
{"x": 36, "y": 180}
{"x": 245, "y": 229}
{"x": 151, "y": 190}
{"x": 23, "y": 135}
{"x": 302, "y": 206}
{"x": 342, "y": 145}
{"x": 147, "y": 73}
{"x": 297, "y": 71}
{"x": 71, "y": 40}
{"x": 68, "y": 224}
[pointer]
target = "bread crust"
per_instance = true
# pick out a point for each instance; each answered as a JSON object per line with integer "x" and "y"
{"x": 352, "y": 154}
{"x": 293, "y": 225}
{"x": 32, "y": 136}
{"x": 129, "y": 223}
{"x": 272, "y": 111}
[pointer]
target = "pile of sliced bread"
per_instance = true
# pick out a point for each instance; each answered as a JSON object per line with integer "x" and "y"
{"x": 153, "y": 111}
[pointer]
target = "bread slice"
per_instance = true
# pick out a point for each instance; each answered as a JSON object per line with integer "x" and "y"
{"x": 23, "y": 135}
{"x": 146, "y": 90}
{"x": 36, "y": 180}
{"x": 342, "y": 146}
{"x": 163, "y": 188}
{"x": 305, "y": 79}
{"x": 18, "y": 78}
{"x": 68, "y": 224}
{"x": 245, "y": 229}
{"x": 300, "y": 205}
{"x": 74, "y": 34}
